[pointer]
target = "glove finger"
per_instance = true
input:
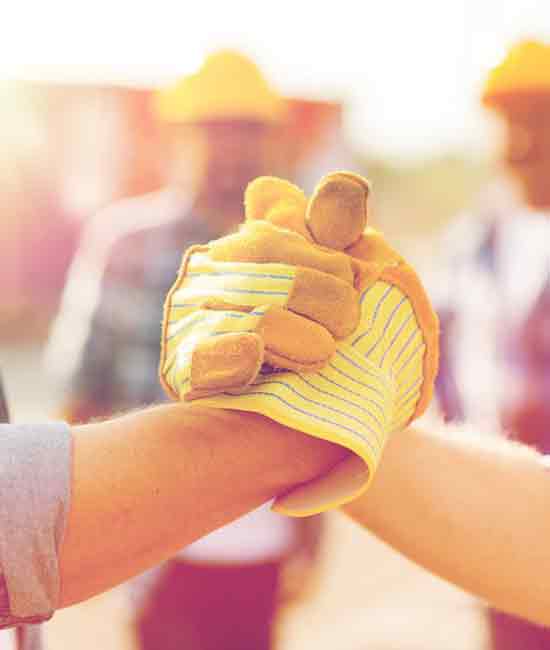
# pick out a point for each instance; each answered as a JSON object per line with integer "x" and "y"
{"x": 182, "y": 335}
{"x": 326, "y": 300}
{"x": 337, "y": 212}
{"x": 261, "y": 242}
{"x": 293, "y": 342}
{"x": 226, "y": 362}
{"x": 276, "y": 200}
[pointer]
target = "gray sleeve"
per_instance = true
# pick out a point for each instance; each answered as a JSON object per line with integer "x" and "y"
{"x": 35, "y": 485}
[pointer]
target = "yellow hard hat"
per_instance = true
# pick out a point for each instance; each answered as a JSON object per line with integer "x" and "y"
{"x": 228, "y": 86}
{"x": 524, "y": 71}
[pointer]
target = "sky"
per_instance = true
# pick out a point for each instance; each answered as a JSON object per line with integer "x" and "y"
{"x": 410, "y": 73}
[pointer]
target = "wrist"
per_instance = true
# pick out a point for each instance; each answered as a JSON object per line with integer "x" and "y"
{"x": 280, "y": 457}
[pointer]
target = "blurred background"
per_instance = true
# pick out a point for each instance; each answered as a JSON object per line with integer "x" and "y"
{"x": 390, "y": 90}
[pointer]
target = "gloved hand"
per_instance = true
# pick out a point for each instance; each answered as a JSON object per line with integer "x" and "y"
{"x": 308, "y": 318}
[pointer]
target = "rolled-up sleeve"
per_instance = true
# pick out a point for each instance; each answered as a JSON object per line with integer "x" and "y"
{"x": 35, "y": 485}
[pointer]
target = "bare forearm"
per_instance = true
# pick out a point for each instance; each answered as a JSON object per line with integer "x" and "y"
{"x": 476, "y": 512}
{"x": 148, "y": 483}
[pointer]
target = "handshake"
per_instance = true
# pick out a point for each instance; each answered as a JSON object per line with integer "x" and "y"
{"x": 306, "y": 316}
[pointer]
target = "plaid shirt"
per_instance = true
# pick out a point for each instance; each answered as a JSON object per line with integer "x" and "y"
{"x": 105, "y": 340}
{"x": 496, "y": 320}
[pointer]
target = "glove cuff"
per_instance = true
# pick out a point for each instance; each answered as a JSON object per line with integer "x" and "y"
{"x": 350, "y": 403}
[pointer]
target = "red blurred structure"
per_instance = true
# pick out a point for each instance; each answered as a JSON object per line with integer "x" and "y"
{"x": 89, "y": 145}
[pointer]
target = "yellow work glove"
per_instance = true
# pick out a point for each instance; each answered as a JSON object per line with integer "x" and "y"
{"x": 308, "y": 318}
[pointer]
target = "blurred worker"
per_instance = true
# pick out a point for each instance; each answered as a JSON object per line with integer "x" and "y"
{"x": 223, "y": 127}
{"x": 496, "y": 361}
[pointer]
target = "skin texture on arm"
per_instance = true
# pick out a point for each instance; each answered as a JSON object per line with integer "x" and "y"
{"x": 150, "y": 482}
{"x": 473, "y": 511}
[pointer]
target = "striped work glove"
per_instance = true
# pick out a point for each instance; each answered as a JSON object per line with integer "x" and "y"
{"x": 310, "y": 318}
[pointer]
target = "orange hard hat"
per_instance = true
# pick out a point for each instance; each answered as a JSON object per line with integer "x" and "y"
{"x": 524, "y": 72}
{"x": 228, "y": 86}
